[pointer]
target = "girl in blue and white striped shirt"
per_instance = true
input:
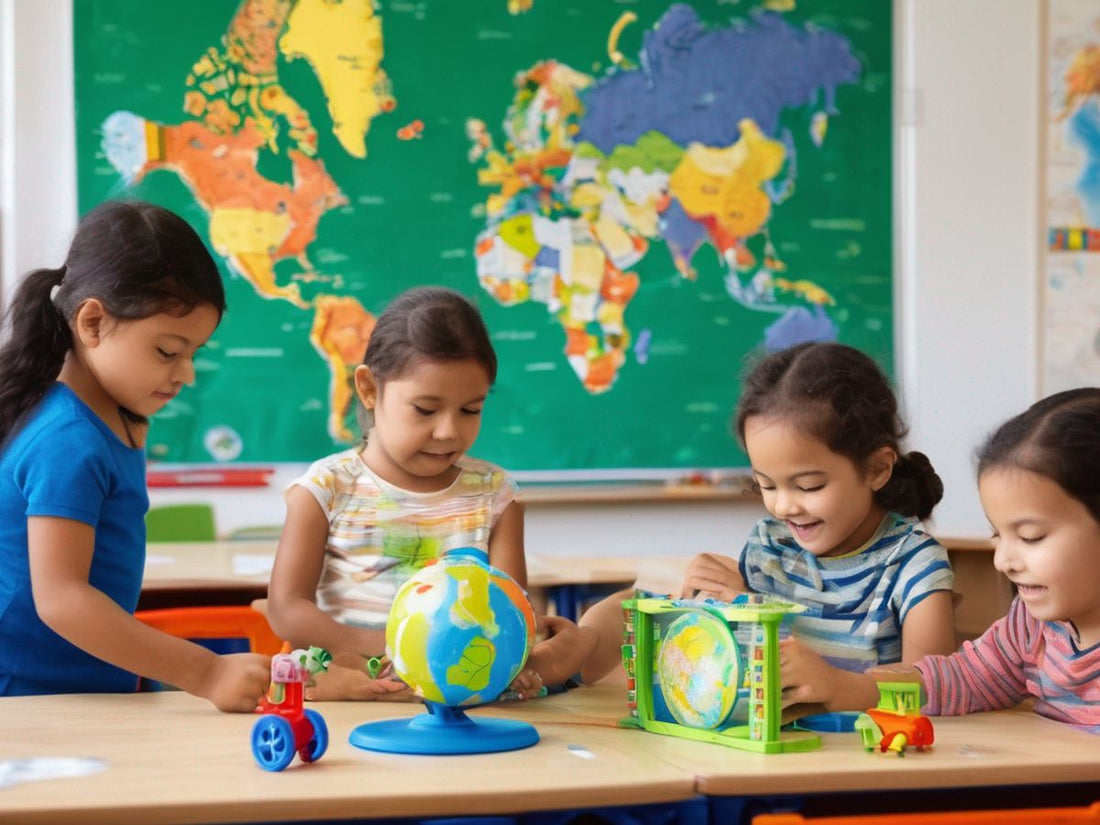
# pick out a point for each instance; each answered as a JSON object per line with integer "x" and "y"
{"x": 844, "y": 537}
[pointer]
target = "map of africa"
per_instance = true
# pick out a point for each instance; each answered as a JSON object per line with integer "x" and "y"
{"x": 634, "y": 208}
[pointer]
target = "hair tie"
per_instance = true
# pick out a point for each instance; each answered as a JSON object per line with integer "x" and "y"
{"x": 63, "y": 269}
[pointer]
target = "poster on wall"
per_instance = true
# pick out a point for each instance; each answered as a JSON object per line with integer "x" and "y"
{"x": 636, "y": 195}
{"x": 1071, "y": 276}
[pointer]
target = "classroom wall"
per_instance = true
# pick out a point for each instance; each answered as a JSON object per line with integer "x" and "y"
{"x": 968, "y": 80}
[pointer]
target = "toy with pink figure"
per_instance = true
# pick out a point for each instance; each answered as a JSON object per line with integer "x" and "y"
{"x": 286, "y": 727}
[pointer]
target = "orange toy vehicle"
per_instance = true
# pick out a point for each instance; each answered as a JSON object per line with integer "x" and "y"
{"x": 897, "y": 722}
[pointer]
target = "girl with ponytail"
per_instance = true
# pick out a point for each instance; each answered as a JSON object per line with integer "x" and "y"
{"x": 91, "y": 350}
{"x": 844, "y": 537}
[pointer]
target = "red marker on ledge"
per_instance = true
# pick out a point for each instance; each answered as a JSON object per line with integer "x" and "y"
{"x": 209, "y": 477}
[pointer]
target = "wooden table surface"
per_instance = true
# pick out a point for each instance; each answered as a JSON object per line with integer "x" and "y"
{"x": 233, "y": 564}
{"x": 171, "y": 757}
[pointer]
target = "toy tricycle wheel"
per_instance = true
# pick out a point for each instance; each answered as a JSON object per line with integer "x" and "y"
{"x": 272, "y": 742}
{"x": 315, "y": 748}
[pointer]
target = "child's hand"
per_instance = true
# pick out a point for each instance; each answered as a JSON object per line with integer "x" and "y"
{"x": 527, "y": 684}
{"x": 712, "y": 576}
{"x": 341, "y": 683}
{"x": 806, "y": 677}
{"x": 235, "y": 682}
{"x": 813, "y": 684}
{"x": 562, "y": 653}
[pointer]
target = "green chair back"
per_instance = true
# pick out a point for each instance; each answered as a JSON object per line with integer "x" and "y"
{"x": 181, "y": 522}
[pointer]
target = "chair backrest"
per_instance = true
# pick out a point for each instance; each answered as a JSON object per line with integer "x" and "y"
{"x": 229, "y": 622}
{"x": 180, "y": 522}
{"x": 1012, "y": 816}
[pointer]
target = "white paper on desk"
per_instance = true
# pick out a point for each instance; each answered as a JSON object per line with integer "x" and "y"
{"x": 14, "y": 771}
{"x": 252, "y": 564}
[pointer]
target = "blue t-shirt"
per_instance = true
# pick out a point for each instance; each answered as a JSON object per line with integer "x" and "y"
{"x": 67, "y": 463}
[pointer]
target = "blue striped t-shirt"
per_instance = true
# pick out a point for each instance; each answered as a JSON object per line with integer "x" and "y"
{"x": 856, "y": 603}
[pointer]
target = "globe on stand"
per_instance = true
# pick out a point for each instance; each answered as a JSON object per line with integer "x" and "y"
{"x": 458, "y": 633}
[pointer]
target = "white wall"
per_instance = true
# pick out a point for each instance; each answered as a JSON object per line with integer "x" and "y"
{"x": 37, "y": 136}
{"x": 968, "y": 79}
{"x": 970, "y": 206}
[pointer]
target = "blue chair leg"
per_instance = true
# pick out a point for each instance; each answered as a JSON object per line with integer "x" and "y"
{"x": 565, "y": 601}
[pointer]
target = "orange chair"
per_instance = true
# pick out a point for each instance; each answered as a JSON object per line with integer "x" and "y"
{"x": 231, "y": 622}
{"x": 1013, "y": 816}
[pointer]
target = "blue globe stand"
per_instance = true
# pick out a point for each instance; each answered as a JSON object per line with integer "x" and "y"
{"x": 444, "y": 730}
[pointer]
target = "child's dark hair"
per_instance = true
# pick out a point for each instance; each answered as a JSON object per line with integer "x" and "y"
{"x": 137, "y": 259}
{"x": 430, "y": 323}
{"x": 1058, "y": 438}
{"x": 838, "y": 395}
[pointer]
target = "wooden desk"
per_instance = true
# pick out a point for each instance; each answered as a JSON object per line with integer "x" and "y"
{"x": 238, "y": 571}
{"x": 1015, "y": 747}
{"x": 171, "y": 757}
{"x": 208, "y": 565}
{"x": 1004, "y": 759}
{"x": 205, "y": 573}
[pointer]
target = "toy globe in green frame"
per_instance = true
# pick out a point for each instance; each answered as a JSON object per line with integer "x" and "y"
{"x": 699, "y": 670}
{"x": 458, "y": 633}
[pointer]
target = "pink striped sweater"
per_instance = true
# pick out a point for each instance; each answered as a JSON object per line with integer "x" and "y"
{"x": 1016, "y": 658}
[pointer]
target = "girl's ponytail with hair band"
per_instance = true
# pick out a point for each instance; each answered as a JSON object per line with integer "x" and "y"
{"x": 57, "y": 287}
{"x": 914, "y": 488}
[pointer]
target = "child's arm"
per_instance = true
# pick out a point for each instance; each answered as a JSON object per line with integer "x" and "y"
{"x": 506, "y": 544}
{"x": 605, "y": 620}
{"x": 340, "y": 683}
{"x": 986, "y": 674}
{"x": 291, "y": 601}
{"x": 715, "y": 576}
{"x": 810, "y": 680}
{"x": 929, "y": 628}
{"x": 60, "y": 554}
{"x": 557, "y": 657}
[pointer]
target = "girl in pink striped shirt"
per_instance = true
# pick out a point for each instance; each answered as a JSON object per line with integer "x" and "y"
{"x": 1039, "y": 480}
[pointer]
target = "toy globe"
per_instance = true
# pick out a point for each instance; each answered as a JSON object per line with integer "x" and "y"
{"x": 458, "y": 633}
{"x": 699, "y": 669}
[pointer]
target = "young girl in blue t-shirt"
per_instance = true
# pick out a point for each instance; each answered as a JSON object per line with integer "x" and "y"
{"x": 92, "y": 350}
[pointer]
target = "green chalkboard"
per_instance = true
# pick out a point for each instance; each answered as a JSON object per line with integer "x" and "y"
{"x": 636, "y": 195}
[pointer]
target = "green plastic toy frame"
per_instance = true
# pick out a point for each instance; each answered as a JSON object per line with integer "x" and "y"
{"x": 762, "y": 732}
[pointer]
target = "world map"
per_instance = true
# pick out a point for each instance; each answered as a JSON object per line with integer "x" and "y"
{"x": 600, "y": 182}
